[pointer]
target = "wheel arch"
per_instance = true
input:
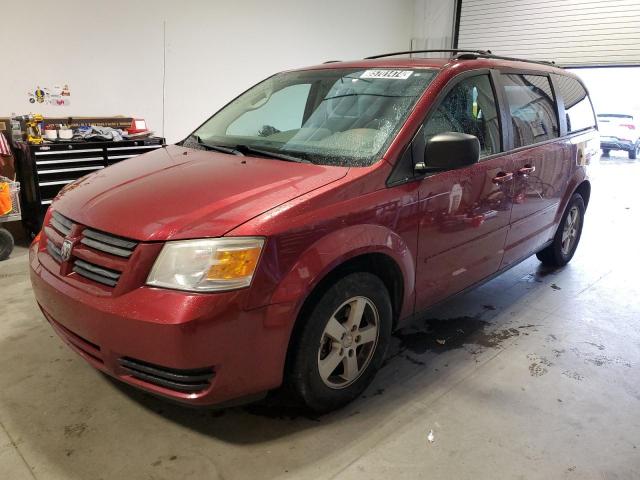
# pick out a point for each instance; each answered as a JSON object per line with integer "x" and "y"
{"x": 372, "y": 248}
{"x": 584, "y": 189}
{"x": 579, "y": 183}
{"x": 377, "y": 263}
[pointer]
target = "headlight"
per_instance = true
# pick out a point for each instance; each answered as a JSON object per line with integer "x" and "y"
{"x": 207, "y": 265}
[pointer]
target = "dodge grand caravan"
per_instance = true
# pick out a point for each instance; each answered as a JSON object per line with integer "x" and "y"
{"x": 283, "y": 241}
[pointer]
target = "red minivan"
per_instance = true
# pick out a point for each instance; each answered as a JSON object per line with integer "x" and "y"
{"x": 284, "y": 240}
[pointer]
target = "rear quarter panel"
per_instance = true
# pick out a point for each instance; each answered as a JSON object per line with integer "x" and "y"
{"x": 584, "y": 151}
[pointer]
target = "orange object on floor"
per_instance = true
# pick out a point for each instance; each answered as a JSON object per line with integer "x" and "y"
{"x": 7, "y": 163}
{"x": 6, "y": 205}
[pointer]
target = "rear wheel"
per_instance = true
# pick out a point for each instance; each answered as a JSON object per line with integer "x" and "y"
{"x": 6, "y": 244}
{"x": 342, "y": 342}
{"x": 633, "y": 154}
{"x": 605, "y": 152}
{"x": 567, "y": 237}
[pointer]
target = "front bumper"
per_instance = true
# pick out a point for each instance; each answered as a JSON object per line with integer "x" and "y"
{"x": 177, "y": 332}
{"x": 617, "y": 144}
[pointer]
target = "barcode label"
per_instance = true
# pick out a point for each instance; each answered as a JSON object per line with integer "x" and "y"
{"x": 388, "y": 74}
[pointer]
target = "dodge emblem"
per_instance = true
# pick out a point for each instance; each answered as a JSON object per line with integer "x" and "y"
{"x": 65, "y": 250}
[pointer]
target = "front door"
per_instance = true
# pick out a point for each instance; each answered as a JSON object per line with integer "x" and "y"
{"x": 540, "y": 170}
{"x": 464, "y": 213}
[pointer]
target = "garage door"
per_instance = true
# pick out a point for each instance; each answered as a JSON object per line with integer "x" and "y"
{"x": 570, "y": 32}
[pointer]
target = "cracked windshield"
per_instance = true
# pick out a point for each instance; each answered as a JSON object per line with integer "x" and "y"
{"x": 344, "y": 117}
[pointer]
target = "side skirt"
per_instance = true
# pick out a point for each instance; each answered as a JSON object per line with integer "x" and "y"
{"x": 421, "y": 313}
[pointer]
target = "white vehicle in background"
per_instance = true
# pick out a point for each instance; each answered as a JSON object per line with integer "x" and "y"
{"x": 619, "y": 132}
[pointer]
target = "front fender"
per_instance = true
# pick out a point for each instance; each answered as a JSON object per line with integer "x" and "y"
{"x": 339, "y": 246}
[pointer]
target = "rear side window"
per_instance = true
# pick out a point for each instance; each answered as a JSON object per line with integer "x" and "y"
{"x": 532, "y": 107}
{"x": 470, "y": 107}
{"x": 577, "y": 105}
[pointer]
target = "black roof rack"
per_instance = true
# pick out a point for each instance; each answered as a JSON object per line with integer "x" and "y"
{"x": 471, "y": 55}
{"x": 464, "y": 54}
{"x": 405, "y": 52}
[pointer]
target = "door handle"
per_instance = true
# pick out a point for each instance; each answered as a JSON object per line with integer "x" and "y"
{"x": 526, "y": 170}
{"x": 502, "y": 177}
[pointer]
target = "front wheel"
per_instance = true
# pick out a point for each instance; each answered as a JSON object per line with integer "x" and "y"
{"x": 605, "y": 152}
{"x": 567, "y": 237}
{"x": 6, "y": 244}
{"x": 342, "y": 342}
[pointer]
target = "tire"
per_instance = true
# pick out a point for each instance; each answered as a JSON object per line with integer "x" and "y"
{"x": 633, "y": 154}
{"x": 558, "y": 254}
{"x": 325, "y": 339}
{"x": 605, "y": 152}
{"x": 6, "y": 244}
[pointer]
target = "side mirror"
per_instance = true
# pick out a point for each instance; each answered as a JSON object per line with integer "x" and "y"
{"x": 448, "y": 151}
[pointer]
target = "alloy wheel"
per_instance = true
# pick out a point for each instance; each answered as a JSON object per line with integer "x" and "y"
{"x": 570, "y": 230}
{"x": 348, "y": 342}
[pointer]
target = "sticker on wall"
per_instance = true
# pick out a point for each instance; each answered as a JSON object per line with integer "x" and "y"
{"x": 57, "y": 96}
{"x": 37, "y": 95}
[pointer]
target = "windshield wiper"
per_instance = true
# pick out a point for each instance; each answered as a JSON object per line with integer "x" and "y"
{"x": 243, "y": 150}
{"x": 217, "y": 148}
{"x": 246, "y": 149}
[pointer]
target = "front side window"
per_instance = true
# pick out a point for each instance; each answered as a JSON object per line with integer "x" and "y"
{"x": 532, "y": 107}
{"x": 333, "y": 117}
{"x": 577, "y": 105}
{"x": 470, "y": 107}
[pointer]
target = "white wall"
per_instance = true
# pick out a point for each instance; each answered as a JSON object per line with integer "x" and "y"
{"x": 112, "y": 53}
{"x": 89, "y": 45}
{"x": 433, "y": 23}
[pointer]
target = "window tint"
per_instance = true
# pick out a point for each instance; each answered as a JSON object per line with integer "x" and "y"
{"x": 577, "y": 105}
{"x": 470, "y": 107}
{"x": 532, "y": 107}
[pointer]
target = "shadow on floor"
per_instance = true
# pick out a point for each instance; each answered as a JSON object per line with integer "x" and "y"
{"x": 413, "y": 348}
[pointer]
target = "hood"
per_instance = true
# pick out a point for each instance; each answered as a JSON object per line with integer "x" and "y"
{"x": 180, "y": 193}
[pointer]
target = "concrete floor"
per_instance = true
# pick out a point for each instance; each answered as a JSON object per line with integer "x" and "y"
{"x": 538, "y": 377}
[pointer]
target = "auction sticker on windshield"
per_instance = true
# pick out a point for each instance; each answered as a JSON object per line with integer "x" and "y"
{"x": 391, "y": 74}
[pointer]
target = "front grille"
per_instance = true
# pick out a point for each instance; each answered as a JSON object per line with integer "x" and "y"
{"x": 61, "y": 224}
{"x": 54, "y": 251}
{"x": 108, "y": 243}
{"x": 96, "y": 273}
{"x": 185, "y": 381}
{"x": 89, "y": 259}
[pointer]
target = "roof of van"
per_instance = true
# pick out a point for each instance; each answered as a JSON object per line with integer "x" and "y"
{"x": 440, "y": 63}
